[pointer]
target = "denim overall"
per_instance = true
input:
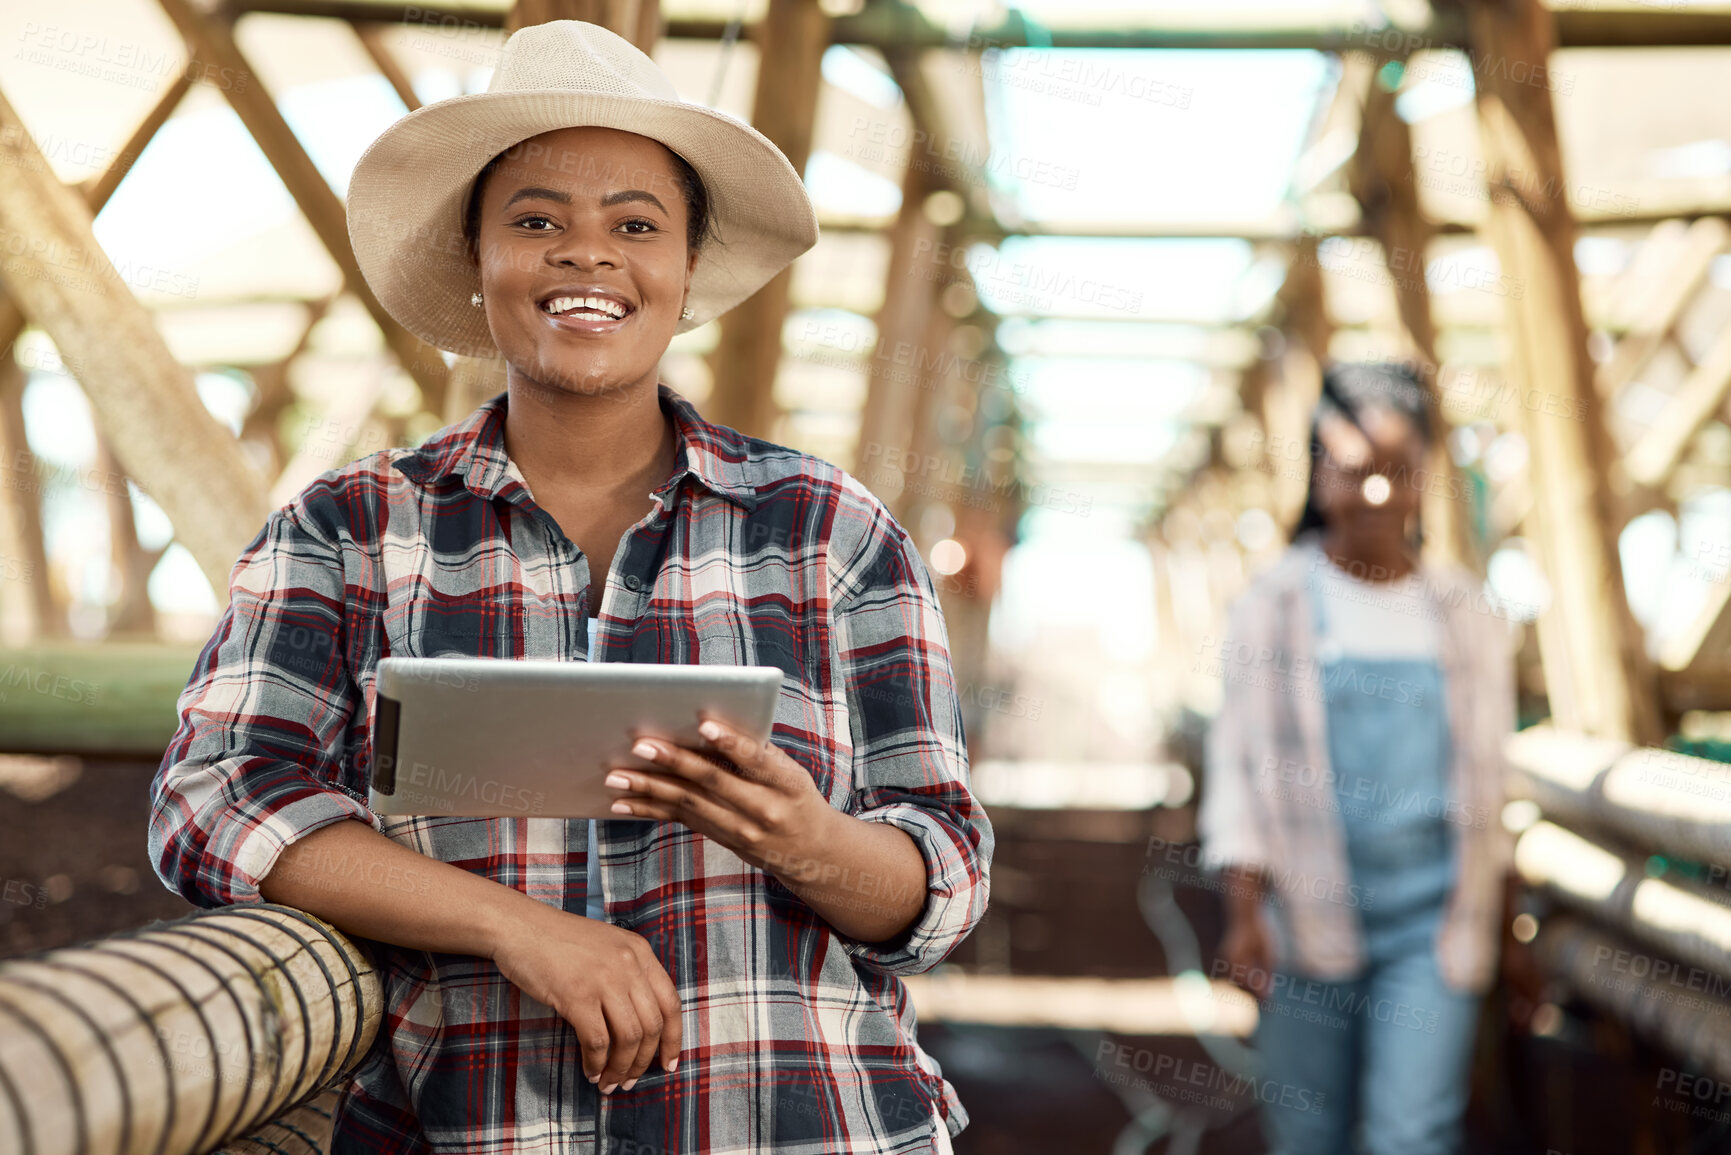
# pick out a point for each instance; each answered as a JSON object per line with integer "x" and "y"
{"x": 1390, "y": 1048}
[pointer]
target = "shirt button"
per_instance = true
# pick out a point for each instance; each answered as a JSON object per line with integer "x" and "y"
{"x": 633, "y": 582}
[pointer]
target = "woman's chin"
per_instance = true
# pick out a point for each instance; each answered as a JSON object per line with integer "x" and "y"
{"x": 589, "y": 379}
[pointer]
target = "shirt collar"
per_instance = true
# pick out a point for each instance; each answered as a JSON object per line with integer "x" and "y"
{"x": 716, "y": 457}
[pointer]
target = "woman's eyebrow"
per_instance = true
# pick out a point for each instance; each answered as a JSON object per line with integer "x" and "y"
{"x": 533, "y": 192}
{"x": 631, "y": 194}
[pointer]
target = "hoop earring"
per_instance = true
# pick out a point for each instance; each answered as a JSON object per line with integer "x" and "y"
{"x": 475, "y": 299}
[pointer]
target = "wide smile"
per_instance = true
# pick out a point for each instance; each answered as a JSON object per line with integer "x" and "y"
{"x": 587, "y": 313}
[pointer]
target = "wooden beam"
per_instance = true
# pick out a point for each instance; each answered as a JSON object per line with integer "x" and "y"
{"x": 23, "y": 496}
{"x": 344, "y": 420}
{"x": 901, "y": 26}
{"x": 1381, "y": 180}
{"x": 1705, "y": 637}
{"x": 1596, "y": 670}
{"x": 274, "y": 393}
{"x": 373, "y": 39}
{"x": 932, "y": 372}
{"x": 100, "y": 187}
{"x": 910, "y": 295}
{"x": 212, "y": 41}
{"x": 1653, "y": 313}
{"x": 129, "y": 561}
{"x": 1651, "y": 460}
{"x": 639, "y": 21}
{"x": 134, "y": 686}
{"x": 1290, "y": 390}
{"x": 791, "y": 41}
{"x": 144, "y": 401}
{"x": 29, "y": 588}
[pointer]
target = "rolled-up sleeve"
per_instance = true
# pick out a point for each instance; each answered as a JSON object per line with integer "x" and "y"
{"x": 1227, "y": 819}
{"x": 257, "y": 759}
{"x": 910, "y": 761}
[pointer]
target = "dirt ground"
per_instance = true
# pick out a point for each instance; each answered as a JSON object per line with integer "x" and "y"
{"x": 73, "y": 865}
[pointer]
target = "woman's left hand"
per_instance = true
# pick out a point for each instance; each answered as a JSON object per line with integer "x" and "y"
{"x": 747, "y": 795}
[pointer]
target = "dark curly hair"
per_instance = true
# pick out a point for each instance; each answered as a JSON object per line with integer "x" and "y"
{"x": 1351, "y": 390}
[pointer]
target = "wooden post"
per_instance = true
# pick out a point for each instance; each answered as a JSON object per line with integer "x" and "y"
{"x": 930, "y": 374}
{"x": 639, "y": 21}
{"x": 1289, "y": 398}
{"x": 1382, "y": 182}
{"x": 143, "y": 399}
{"x": 1596, "y": 671}
{"x": 33, "y": 612}
{"x": 792, "y": 38}
{"x": 211, "y": 41}
{"x": 910, "y": 295}
{"x": 131, "y": 562}
{"x": 372, "y": 38}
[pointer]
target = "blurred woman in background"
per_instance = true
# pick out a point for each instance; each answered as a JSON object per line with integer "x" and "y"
{"x": 1354, "y": 794}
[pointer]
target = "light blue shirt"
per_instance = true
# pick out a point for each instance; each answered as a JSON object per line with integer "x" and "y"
{"x": 593, "y": 907}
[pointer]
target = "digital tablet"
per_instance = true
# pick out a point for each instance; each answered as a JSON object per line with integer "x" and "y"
{"x": 503, "y": 738}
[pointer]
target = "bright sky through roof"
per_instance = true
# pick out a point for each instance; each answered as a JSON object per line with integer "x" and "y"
{"x": 1105, "y": 136}
{"x": 1125, "y": 136}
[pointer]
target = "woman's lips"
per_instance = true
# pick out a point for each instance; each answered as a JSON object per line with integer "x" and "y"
{"x": 588, "y": 323}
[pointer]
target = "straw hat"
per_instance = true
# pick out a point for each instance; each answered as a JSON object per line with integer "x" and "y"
{"x": 408, "y": 191}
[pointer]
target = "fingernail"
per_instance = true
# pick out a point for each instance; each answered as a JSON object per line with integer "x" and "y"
{"x": 620, "y": 808}
{"x": 628, "y": 1084}
{"x": 709, "y": 730}
{"x": 594, "y": 1078}
{"x": 673, "y": 1066}
{"x": 619, "y": 781}
{"x": 609, "y": 1088}
{"x": 643, "y": 750}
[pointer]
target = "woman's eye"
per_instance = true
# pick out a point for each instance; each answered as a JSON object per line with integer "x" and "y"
{"x": 528, "y": 220}
{"x": 639, "y": 225}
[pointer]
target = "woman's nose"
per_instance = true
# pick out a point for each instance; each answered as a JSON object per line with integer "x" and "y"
{"x": 584, "y": 248}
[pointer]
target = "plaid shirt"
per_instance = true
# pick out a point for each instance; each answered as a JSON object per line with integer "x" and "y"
{"x": 797, "y": 1038}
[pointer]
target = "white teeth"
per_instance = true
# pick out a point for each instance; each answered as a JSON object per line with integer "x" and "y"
{"x": 601, "y": 305}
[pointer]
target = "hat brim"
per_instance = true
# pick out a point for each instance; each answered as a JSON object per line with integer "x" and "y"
{"x": 408, "y": 191}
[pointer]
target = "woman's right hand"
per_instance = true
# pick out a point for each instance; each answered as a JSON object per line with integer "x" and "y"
{"x": 1248, "y": 950}
{"x": 604, "y": 981}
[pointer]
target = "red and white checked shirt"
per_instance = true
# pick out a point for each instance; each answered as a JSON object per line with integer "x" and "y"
{"x": 797, "y": 1039}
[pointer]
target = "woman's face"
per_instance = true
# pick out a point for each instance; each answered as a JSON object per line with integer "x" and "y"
{"x": 583, "y": 257}
{"x": 1367, "y": 479}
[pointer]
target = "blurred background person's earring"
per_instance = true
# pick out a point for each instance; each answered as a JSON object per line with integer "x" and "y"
{"x": 475, "y": 299}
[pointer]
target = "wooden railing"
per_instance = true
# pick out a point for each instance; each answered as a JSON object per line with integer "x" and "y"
{"x": 185, "y": 1036}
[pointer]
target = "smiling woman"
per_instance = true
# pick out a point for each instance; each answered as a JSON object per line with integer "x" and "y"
{"x": 584, "y": 233}
{"x": 752, "y": 907}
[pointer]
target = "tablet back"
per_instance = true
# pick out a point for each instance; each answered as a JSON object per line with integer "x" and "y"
{"x": 499, "y": 738}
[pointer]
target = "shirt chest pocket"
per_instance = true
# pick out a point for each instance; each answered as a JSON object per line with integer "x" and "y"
{"x": 440, "y": 628}
{"x": 475, "y": 613}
